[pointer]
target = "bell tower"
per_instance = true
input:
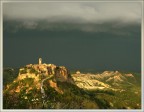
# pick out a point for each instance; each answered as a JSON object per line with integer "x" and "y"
{"x": 40, "y": 61}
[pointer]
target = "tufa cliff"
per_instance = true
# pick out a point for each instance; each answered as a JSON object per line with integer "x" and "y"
{"x": 60, "y": 73}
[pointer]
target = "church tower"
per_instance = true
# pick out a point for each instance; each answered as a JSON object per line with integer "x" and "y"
{"x": 40, "y": 61}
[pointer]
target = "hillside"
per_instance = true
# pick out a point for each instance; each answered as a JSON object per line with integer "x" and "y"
{"x": 47, "y": 86}
{"x": 121, "y": 90}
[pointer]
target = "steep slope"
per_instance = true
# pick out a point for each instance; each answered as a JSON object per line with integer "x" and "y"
{"x": 121, "y": 90}
{"x": 105, "y": 80}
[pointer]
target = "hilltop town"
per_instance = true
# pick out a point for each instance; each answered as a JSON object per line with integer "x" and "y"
{"x": 61, "y": 73}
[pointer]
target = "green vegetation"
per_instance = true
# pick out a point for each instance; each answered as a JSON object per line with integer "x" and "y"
{"x": 9, "y": 75}
{"x": 73, "y": 98}
{"x": 28, "y": 97}
{"x": 32, "y": 70}
{"x": 23, "y": 71}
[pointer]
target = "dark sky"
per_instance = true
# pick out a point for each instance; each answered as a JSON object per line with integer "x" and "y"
{"x": 88, "y": 36}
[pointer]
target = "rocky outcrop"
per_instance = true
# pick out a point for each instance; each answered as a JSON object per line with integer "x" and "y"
{"x": 131, "y": 78}
{"x": 54, "y": 85}
{"x": 85, "y": 81}
{"x": 61, "y": 74}
{"x": 40, "y": 72}
{"x": 129, "y": 75}
{"x": 105, "y": 80}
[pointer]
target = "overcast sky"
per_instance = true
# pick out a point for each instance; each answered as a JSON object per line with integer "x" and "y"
{"x": 88, "y": 25}
{"x": 80, "y": 13}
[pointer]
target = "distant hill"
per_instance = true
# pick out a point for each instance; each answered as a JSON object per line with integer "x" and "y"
{"x": 106, "y": 79}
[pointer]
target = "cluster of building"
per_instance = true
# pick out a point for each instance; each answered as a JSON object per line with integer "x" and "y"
{"x": 60, "y": 72}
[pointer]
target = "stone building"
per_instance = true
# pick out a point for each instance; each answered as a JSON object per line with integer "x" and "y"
{"x": 40, "y": 61}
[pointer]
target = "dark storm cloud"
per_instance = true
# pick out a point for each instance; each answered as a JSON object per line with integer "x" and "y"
{"x": 82, "y": 16}
{"x": 16, "y": 27}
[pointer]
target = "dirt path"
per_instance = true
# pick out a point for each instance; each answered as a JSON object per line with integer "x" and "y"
{"x": 42, "y": 89}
